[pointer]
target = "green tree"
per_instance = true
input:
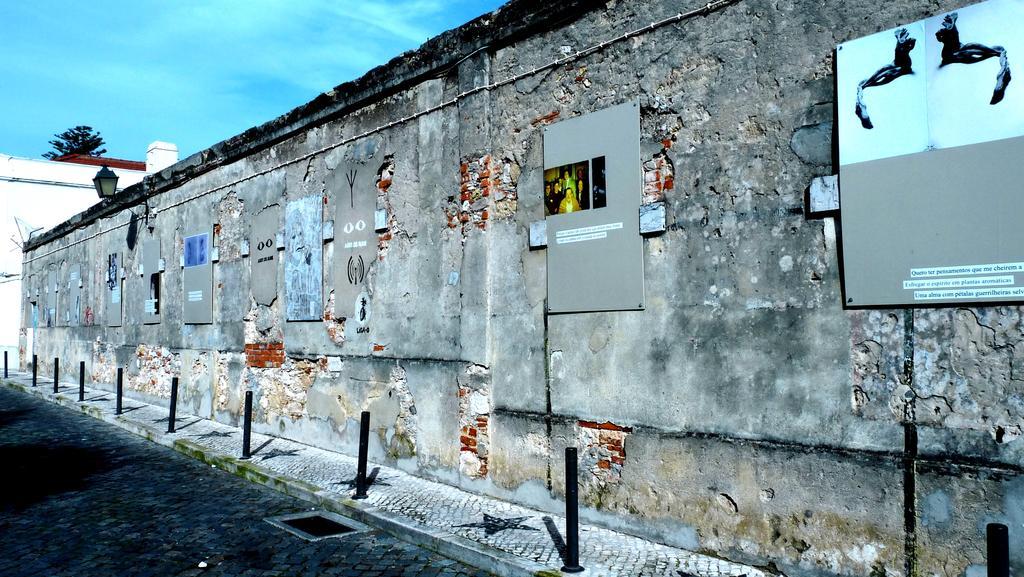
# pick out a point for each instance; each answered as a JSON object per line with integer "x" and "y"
{"x": 77, "y": 140}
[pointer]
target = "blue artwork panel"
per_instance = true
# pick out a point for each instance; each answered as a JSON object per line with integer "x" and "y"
{"x": 197, "y": 250}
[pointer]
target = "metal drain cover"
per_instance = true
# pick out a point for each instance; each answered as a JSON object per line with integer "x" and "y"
{"x": 317, "y": 525}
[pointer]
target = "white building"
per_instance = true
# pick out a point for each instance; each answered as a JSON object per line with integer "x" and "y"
{"x": 39, "y": 194}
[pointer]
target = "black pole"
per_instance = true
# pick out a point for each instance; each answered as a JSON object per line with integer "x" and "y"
{"x": 56, "y": 373}
{"x": 35, "y": 368}
{"x": 572, "y": 514}
{"x": 81, "y": 381}
{"x": 247, "y": 426}
{"x": 120, "y": 389}
{"x": 174, "y": 404}
{"x": 364, "y": 446}
{"x": 5, "y": 364}
{"x": 998, "y": 537}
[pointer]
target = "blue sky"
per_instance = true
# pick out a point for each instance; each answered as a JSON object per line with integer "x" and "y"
{"x": 189, "y": 72}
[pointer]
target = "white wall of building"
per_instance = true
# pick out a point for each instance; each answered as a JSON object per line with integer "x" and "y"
{"x": 42, "y": 194}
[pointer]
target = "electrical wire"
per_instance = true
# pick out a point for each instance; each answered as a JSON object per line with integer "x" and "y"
{"x": 701, "y": 11}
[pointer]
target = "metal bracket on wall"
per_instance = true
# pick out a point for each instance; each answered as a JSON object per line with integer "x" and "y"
{"x": 279, "y": 240}
{"x": 823, "y": 196}
{"x": 328, "y": 232}
{"x": 538, "y": 234}
{"x": 380, "y": 220}
{"x": 653, "y": 218}
{"x": 244, "y": 246}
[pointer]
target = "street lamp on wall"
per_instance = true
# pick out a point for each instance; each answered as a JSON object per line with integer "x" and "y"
{"x": 105, "y": 182}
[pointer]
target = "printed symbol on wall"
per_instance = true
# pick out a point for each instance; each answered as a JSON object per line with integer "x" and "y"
{"x": 265, "y": 244}
{"x": 356, "y": 269}
{"x": 358, "y": 226}
{"x": 361, "y": 314}
{"x": 351, "y": 178}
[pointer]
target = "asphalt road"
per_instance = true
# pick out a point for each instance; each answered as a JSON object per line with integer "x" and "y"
{"x": 80, "y": 497}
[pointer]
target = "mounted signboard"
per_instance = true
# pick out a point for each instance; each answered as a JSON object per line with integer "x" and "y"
{"x": 355, "y": 242}
{"x": 263, "y": 244}
{"x": 931, "y": 132}
{"x": 592, "y": 202}
{"x": 303, "y": 270}
{"x": 114, "y": 284}
{"x": 74, "y": 298}
{"x": 51, "y": 297}
{"x": 197, "y": 277}
{"x": 152, "y": 283}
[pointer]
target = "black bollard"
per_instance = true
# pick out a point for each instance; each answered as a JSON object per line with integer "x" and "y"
{"x": 364, "y": 447}
{"x": 56, "y": 373}
{"x": 247, "y": 426}
{"x": 5, "y": 364}
{"x": 35, "y": 368}
{"x": 572, "y": 514}
{"x": 120, "y": 389}
{"x": 998, "y": 537}
{"x": 81, "y": 381}
{"x": 174, "y": 404}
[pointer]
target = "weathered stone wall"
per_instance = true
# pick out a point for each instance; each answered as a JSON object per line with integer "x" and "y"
{"x": 744, "y": 413}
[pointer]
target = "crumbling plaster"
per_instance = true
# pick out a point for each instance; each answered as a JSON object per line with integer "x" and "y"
{"x": 757, "y": 419}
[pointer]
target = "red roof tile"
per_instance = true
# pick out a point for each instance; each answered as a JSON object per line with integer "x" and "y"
{"x": 100, "y": 161}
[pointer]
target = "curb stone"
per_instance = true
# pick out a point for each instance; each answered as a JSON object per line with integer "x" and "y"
{"x": 420, "y": 511}
{"x": 458, "y": 548}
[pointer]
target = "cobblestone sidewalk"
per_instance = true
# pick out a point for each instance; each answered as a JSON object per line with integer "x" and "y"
{"x": 495, "y": 535}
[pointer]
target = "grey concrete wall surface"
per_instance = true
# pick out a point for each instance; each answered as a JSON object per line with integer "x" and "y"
{"x": 744, "y": 413}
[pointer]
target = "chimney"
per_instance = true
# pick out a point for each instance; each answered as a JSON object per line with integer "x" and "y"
{"x": 160, "y": 155}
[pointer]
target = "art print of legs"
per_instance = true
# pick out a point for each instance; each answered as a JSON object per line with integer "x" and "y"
{"x": 954, "y": 52}
{"x": 900, "y": 66}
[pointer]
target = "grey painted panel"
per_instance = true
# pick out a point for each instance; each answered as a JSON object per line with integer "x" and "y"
{"x": 115, "y": 289}
{"x": 197, "y": 276}
{"x": 51, "y": 297}
{"x": 303, "y": 266}
{"x": 152, "y": 281}
{"x": 263, "y": 246}
{"x": 355, "y": 240}
{"x": 904, "y": 218}
{"x": 74, "y": 298}
{"x": 595, "y": 256}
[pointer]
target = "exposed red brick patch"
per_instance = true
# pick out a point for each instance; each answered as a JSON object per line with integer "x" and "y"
{"x": 546, "y": 118}
{"x": 264, "y": 355}
{"x": 603, "y": 448}
{"x": 607, "y": 426}
{"x": 659, "y": 176}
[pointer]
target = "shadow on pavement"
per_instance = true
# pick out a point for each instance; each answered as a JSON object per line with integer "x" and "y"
{"x": 34, "y": 472}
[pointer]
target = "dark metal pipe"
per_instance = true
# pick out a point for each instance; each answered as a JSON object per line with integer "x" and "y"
{"x": 247, "y": 426}
{"x": 35, "y": 369}
{"x": 364, "y": 447}
{"x": 81, "y": 381}
{"x": 5, "y": 364}
{"x": 174, "y": 404}
{"x": 56, "y": 373}
{"x": 572, "y": 513}
{"x": 998, "y": 537}
{"x": 120, "y": 389}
